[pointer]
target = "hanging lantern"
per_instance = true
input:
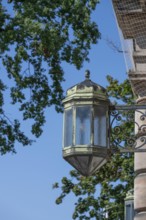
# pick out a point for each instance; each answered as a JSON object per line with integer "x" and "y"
{"x": 85, "y": 133}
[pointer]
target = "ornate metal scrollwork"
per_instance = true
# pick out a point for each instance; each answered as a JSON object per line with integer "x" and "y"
{"x": 127, "y": 131}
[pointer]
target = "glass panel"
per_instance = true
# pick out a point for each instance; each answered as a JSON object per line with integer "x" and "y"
{"x": 129, "y": 215}
{"x": 128, "y": 212}
{"x": 100, "y": 134}
{"x": 68, "y": 125}
{"x": 83, "y": 125}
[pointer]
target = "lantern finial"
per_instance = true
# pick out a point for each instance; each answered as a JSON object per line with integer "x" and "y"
{"x": 87, "y": 74}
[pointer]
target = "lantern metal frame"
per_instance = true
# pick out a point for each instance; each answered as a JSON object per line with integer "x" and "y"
{"x": 86, "y": 155}
{"x": 120, "y": 114}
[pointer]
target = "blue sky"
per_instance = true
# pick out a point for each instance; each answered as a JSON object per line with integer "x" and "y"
{"x": 27, "y": 177}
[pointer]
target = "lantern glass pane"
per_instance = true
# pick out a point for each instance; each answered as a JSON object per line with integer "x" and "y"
{"x": 83, "y": 125}
{"x": 68, "y": 126}
{"x": 100, "y": 126}
{"x": 129, "y": 210}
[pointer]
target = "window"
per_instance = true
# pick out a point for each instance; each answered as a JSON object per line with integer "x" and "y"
{"x": 83, "y": 125}
{"x": 100, "y": 126}
{"x": 68, "y": 127}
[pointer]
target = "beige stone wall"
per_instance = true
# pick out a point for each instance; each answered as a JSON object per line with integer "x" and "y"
{"x": 140, "y": 166}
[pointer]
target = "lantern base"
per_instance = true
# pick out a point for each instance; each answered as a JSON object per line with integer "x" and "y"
{"x": 87, "y": 160}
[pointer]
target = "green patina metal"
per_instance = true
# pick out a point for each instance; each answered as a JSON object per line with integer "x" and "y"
{"x": 85, "y": 144}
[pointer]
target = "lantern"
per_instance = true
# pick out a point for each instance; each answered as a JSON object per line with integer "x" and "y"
{"x": 129, "y": 205}
{"x": 85, "y": 132}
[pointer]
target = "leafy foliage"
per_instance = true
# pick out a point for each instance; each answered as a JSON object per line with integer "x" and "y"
{"x": 36, "y": 36}
{"x": 104, "y": 192}
{"x": 120, "y": 91}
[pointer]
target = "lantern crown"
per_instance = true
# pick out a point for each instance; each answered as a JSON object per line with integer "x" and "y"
{"x": 86, "y": 89}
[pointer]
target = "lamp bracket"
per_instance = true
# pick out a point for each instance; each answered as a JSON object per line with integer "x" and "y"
{"x": 127, "y": 128}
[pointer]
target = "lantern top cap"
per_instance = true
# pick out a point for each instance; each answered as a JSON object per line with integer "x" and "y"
{"x": 87, "y": 74}
{"x": 87, "y": 83}
{"x": 86, "y": 89}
